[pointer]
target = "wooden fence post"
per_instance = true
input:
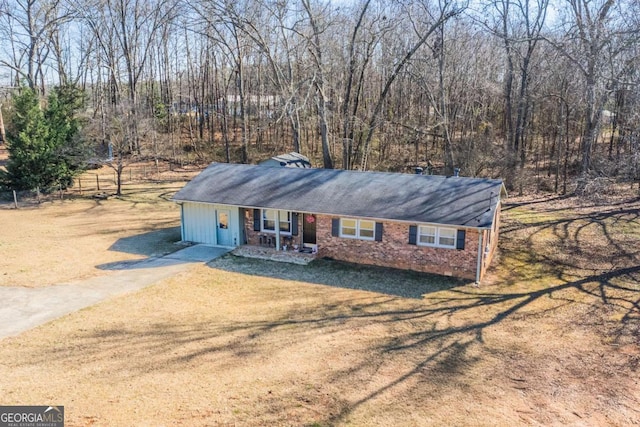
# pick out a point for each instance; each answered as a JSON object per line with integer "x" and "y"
{"x": 80, "y": 185}
{"x": 15, "y": 199}
{"x": 98, "y": 182}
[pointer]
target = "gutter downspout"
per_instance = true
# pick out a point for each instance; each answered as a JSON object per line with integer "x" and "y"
{"x": 277, "y": 229}
{"x": 182, "y": 221}
{"x": 479, "y": 266}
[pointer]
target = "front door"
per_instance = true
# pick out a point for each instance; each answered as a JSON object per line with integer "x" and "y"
{"x": 222, "y": 229}
{"x": 308, "y": 229}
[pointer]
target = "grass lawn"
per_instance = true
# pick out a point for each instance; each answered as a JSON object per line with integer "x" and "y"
{"x": 550, "y": 338}
{"x": 69, "y": 240}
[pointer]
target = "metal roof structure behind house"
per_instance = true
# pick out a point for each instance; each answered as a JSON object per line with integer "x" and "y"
{"x": 289, "y": 160}
{"x": 457, "y": 201}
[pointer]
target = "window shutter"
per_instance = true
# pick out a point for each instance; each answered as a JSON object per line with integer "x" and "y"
{"x": 378, "y": 235}
{"x": 294, "y": 223}
{"x": 256, "y": 220}
{"x": 413, "y": 234}
{"x": 335, "y": 227}
{"x": 460, "y": 239}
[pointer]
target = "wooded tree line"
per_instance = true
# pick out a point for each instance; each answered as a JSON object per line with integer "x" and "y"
{"x": 494, "y": 87}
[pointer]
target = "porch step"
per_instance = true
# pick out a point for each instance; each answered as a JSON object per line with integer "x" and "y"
{"x": 271, "y": 254}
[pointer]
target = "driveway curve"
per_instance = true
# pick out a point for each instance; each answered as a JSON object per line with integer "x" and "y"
{"x": 25, "y": 308}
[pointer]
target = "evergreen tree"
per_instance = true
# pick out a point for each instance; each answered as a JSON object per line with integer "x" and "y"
{"x": 44, "y": 149}
{"x": 28, "y": 166}
{"x": 70, "y": 151}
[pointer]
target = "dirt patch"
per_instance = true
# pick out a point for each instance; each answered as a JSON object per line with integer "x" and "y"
{"x": 550, "y": 339}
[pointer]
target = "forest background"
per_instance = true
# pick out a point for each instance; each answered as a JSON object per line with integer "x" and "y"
{"x": 541, "y": 93}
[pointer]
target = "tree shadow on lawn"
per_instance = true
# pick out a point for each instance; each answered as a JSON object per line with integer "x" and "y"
{"x": 152, "y": 244}
{"x": 449, "y": 347}
{"x": 338, "y": 274}
{"x": 432, "y": 353}
{"x": 436, "y": 338}
{"x": 445, "y": 349}
{"x": 555, "y": 282}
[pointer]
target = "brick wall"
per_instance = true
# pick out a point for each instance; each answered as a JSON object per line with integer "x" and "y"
{"x": 395, "y": 251}
{"x": 253, "y": 237}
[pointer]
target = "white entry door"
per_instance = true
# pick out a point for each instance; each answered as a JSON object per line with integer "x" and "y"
{"x": 222, "y": 227}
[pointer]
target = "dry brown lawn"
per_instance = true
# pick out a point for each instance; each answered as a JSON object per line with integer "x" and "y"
{"x": 71, "y": 239}
{"x": 551, "y": 338}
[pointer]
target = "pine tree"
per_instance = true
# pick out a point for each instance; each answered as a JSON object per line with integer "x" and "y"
{"x": 70, "y": 151}
{"x": 44, "y": 149}
{"x": 28, "y": 165}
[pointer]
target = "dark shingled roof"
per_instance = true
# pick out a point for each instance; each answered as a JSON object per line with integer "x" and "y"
{"x": 469, "y": 202}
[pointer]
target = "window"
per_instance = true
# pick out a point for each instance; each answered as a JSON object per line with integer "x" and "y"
{"x": 366, "y": 229}
{"x": 357, "y": 229}
{"x": 348, "y": 227}
{"x": 437, "y": 236}
{"x": 269, "y": 219}
{"x": 427, "y": 235}
{"x": 447, "y": 237}
{"x": 223, "y": 220}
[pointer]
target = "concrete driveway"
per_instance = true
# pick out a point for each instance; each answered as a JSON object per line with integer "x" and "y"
{"x": 26, "y": 308}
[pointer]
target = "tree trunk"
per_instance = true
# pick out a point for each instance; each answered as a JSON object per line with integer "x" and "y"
{"x": 443, "y": 106}
{"x": 591, "y": 125}
{"x": 3, "y": 135}
{"x": 319, "y": 84}
{"x": 244, "y": 155}
{"x": 373, "y": 120}
{"x": 347, "y": 133}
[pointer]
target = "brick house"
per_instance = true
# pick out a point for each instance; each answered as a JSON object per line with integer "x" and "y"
{"x": 434, "y": 224}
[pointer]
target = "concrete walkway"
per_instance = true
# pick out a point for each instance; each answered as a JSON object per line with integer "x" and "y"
{"x": 26, "y": 308}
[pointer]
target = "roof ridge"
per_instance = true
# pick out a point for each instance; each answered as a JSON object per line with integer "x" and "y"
{"x": 316, "y": 170}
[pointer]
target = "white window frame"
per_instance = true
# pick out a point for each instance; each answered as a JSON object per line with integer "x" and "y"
{"x": 285, "y": 216}
{"x": 358, "y": 229}
{"x": 438, "y": 231}
{"x": 454, "y": 237}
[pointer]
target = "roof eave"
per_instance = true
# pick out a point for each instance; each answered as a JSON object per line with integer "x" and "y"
{"x": 333, "y": 214}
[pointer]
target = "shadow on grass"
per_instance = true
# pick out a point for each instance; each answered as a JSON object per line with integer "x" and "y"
{"x": 152, "y": 244}
{"x": 432, "y": 324}
{"x": 558, "y": 282}
{"x": 411, "y": 333}
{"x": 338, "y": 274}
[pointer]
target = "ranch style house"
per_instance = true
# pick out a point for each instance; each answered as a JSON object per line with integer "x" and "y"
{"x": 434, "y": 224}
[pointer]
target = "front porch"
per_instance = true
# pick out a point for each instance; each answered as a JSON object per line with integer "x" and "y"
{"x": 270, "y": 253}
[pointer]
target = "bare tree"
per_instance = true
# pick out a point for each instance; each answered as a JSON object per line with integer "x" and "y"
{"x": 318, "y": 24}
{"x": 222, "y": 21}
{"x": 28, "y": 25}
{"x": 127, "y": 29}
{"x": 424, "y": 23}
{"x": 358, "y": 59}
{"x": 598, "y": 35}
{"x": 519, "y": 24}
{"x": 277, "y": 38}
